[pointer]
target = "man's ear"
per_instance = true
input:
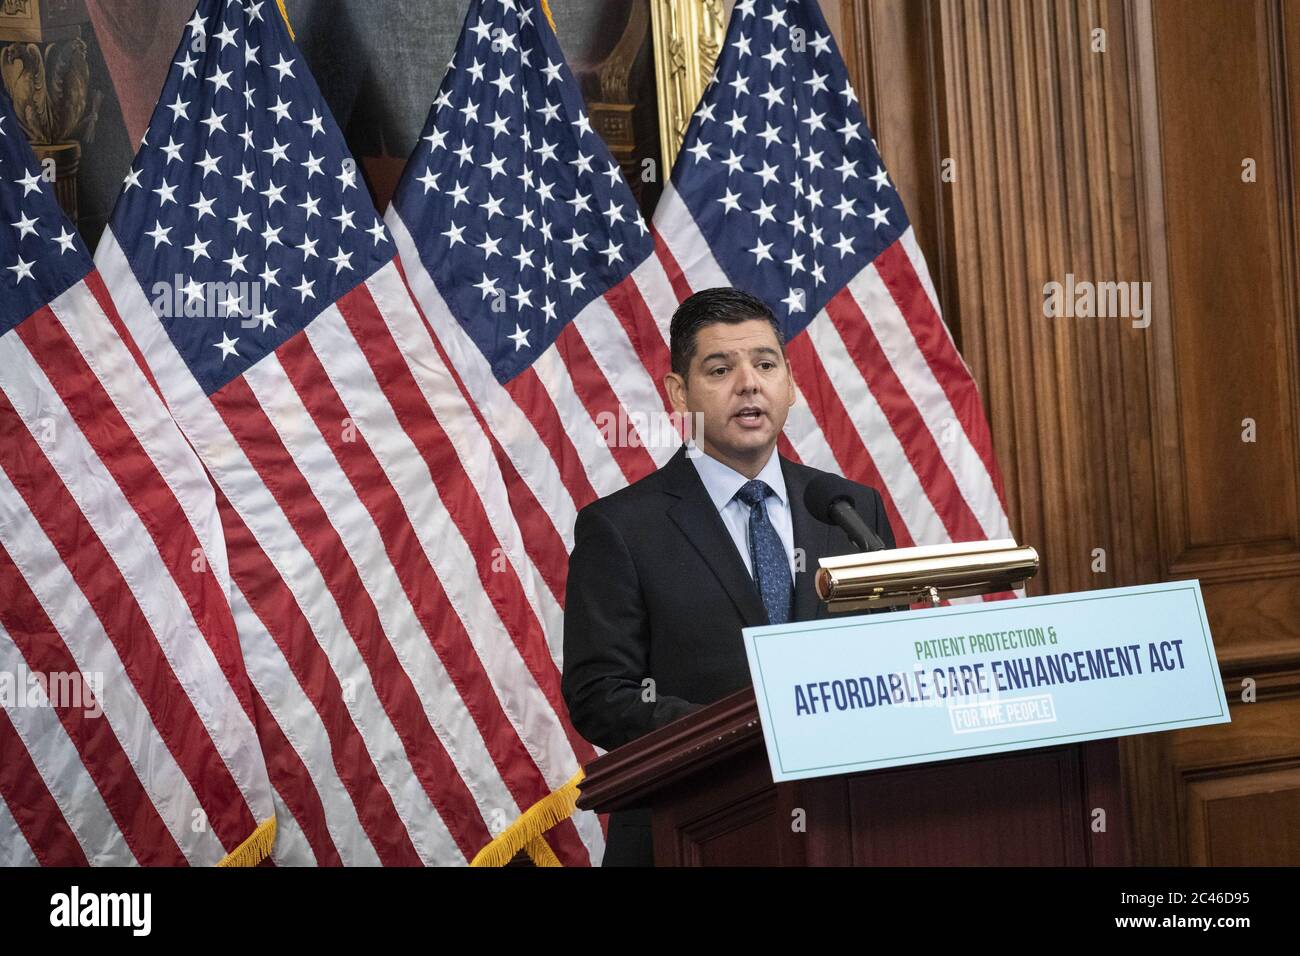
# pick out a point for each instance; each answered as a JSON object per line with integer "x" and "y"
{"x": 789, "y": 381}
{"x": 675, "y": 385}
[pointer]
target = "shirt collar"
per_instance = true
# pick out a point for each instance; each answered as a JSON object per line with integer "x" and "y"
{"x": 722, "y": 481}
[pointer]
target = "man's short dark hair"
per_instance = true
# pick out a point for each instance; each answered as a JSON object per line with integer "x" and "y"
{"x": 709, "y": 307}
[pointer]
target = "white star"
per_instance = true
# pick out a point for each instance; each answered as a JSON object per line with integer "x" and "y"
{"x": 544, "y": 190}
{"x": 271, "y": 236}
{"x": 520, "y": 337}
{"x": 277, "y": 152}
{"x": 316, "y": 123}
{"x": 313, "y": 164}
{"x": 740, "y": 84}
{"x": 742, "y": 46}
{"x": 378, "y": 232}
{"x": 764, "y": 212}
{"x": 245, "y": 178}
{"x": 552, "y": 71}
{"x": 767, "y": 173}
{"x": 845, "y": 246}
{"x": 612, "y": 253}
{"x": 199, "y": 248}
{"x": 248, "y": 96}
{"x": 550, "y": 112}
{"x": 308, "y": 247}
{"x": 65, "y": 240}
{"x": 227, "y": 346}
{"x": 437, "y": 139}
{"x": 821, "y": 44}
{"x": 583, "y": 124}
{"x": 266, "y": 317}
{"x": 466, "y": 153}
{"x": 776, "y": 18}
{"x": 737, "y": 123}
{"x": 233, "y": 304}
{"x": 187, "y": 65}
{"x": 576, "y": 241}
{"x": 523, "y": 297}
{"x": 502, "y": 83}
{"x": 208, "y": 163}
{"x": 236, "y": 263}
{"x": 497, "y": 167}
{"x": 247, "y": 136}
{"x": 227, "y": 36}
{"x": 132, "y": 180}
{"x": 304, "y": 289}
{"x": 771, "y": 134}
{"x": 489, "y": 247}
{"x": 493, "y": 206}
{"x": 816, "y": 82}
{"x": 815, "y": 121}
{"x": 700, "y": 150}
{"x": 25, "y": 226}
{"x": 732, "y": 162}
{"x": 849, "y": 131}
{"x": 240, "y": 219}
{"x": 848, "y": 170}
{"x": 613, "y": 173}
{"x": 204, "y": 207}
{"x": 197, "y": 24}
{"x": 881, "y": 178}
{"x": 458, "y": 194}
{"x": 488, "y": 286}
{"x": 547, "y": 151}
{"x": 268, "y": 276}
{"x": 23, "y": 270}
{"x": 454, "y": 235}
{"x": 794, "y": 301}
{"x": 579, "y": 202}
{"x": 848, "y": 94}
{"x": 310, "y": 205}
{"x": 172, "y": 149}
{"x": 762, "y": 251}
{"x": 193, "y": 290}
{"x": 705, "y": 113}
{"x": 429, "y": 180}
{"x": 775, "y": 57}
{"x": 469, "y": 111}
{"x": 614, "y": 213}
{"x": 159, "y": 234}
{"x": 482, "y": 30}
{"x": 250, "y": 55}
{"x": 574, "y": 281}
{"x": 280, "y": 109}
{"x": 342, "y": 261}
{"x": 215, "y": 122}
{"x": 273, "y": 194}
{"x": 879, "y": 216}
{"x": 548, "y": 307}
{"x": 220, "y": 80}
{"x": 347, "y": 177}
{"x": 344, "y": 219}
{"x": 795, "y": 262}
{"x": 179, "y": 109}
{"x": 845, "y": 208}
{"x": 284, "y": 67}
{"x": 524, "y": 257}
{"x": 582, "y": 163}
{"x": 730, "y": 201}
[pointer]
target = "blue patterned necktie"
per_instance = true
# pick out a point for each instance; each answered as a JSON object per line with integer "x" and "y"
{"x": 767, "y": 554}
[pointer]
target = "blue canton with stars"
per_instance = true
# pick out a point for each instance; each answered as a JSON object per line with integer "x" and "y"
{"x": 520, "y": 214}
{"x": 242, "y": 216}
{"x": 41, "y": 256}
{"x": 779, "y": 168}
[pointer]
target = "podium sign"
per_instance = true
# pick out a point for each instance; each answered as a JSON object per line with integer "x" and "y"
{"x": 884, "y": 690}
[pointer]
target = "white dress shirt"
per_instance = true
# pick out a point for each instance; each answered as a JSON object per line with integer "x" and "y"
{"x": 722, "y": 482}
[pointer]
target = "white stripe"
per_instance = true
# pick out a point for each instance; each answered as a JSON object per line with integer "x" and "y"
{"x": 630, "y": 381}
{"x": 909, "y": 244}
{"x": 14, "y": 850}
{"x": 904, "y": 356}
{"x": 456, "y": 418}
{"x": 923, "y": 522}
{"x": 79, "y": 312}
{"x": 60, "y": 767}
{"x": 525, "y": 706}
{"x": 597, "y": 460}
{"x": 515, "y": 433}
{"x": 279, "y": 689}
{"x": 364, "y": 545}
{"x": 128, "y": 542}
{"x": 657, "y": 292}
{"x": 239, "y": 482}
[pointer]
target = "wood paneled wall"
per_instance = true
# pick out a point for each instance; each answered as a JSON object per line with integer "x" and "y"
{"x": 1108, "y": 140}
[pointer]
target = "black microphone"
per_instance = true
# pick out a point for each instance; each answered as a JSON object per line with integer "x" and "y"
{"x": 832, "y": 500}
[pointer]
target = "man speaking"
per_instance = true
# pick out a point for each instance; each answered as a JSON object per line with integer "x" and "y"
{"x": 666, "y": 572}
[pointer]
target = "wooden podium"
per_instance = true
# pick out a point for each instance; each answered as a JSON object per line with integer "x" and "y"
{"x": 707, "y": 781}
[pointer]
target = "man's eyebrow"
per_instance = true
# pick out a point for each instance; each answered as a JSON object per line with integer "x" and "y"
{"x": 756, "y": 350}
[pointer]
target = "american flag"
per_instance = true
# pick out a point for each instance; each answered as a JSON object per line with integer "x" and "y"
{"x": 780, "y": 190}
{"x": 127, "y": 729}
{"x": 408, "y": 699}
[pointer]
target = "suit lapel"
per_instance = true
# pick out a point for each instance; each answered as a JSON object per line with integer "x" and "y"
{"x": 811, "y": 536}
{"x": 697, "y": 519}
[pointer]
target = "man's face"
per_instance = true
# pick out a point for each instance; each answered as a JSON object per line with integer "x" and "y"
{"x": 740, "y": 385}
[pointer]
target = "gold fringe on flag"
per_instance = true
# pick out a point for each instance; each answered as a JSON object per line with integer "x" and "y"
{"x": 285, "y": 13}
{"x": 546, "y": 9}
{"x": 526, "y": 832}
{"x": 255, "y": 849}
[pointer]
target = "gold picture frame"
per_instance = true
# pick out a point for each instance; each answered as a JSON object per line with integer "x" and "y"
{"x": 687, "y": 36}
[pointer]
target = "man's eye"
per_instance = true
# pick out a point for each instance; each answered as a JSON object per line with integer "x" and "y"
{"x": 720, "y": 369}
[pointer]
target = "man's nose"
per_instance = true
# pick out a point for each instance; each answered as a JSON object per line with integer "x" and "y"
{"x": 746, "y": 380}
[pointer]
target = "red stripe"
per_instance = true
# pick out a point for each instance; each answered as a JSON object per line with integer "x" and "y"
{"x": 784, "y": 447}
{"x": 898, "y": 273}
{"x": 598, "y": 398}
{"x": 33, "y": 808}
{"x": 293, "y": 782}
{"x": 676, "y": 278}
{"x": 851, "y": 453}
{"x": 151, "y": 498}
{"x": 370, "y": 330}
{"x": 44, "y": 650}
{"x": 416, "y": 574}
{"x": 100, "y": 579}
{"x": 629, "y": 306}
{"x": 904, "y": 419}
{"x": 95, "y": 283}
{"x": 542, "y": 542}
{"x": 260, "y": 583}
{"x": 535, "y": 402}
{"x": 257, "y": 437}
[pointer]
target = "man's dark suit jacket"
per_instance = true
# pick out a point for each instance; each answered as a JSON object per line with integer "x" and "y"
{"x": 657, "y": 589}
